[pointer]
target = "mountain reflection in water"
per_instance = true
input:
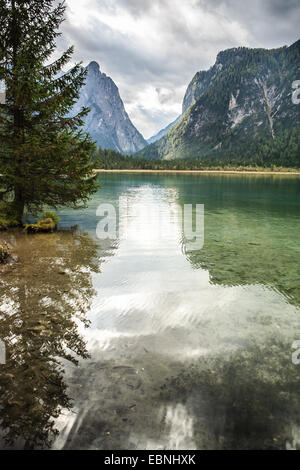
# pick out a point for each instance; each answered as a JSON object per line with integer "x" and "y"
{"x": 188, "y": 349}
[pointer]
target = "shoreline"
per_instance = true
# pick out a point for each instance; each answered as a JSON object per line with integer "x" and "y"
{"x": 251, "y": 172}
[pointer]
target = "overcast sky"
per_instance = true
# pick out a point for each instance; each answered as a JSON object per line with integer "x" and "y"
{"x": 153, "y": 48}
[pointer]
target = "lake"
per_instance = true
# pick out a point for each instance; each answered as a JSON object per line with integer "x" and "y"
{"x": 145, "y": 341}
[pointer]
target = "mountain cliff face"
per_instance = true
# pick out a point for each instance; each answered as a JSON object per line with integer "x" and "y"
{"x": 107, "y": 123}
{"x": 242, "y": 106}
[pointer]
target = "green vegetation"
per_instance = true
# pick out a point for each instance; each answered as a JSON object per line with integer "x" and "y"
{"x": 47, "y": 222}
{"x": 44, "y": 155}
{"x": 112, "y": 160}
{"x": 240, "y": 111}
{"x": 284, "y": 151}
{"x": 8, "y": 216}
{"x": 46, "y": 225}
{"x": 50, "y": 215}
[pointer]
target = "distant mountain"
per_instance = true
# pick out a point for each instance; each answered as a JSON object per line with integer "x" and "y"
{"x": 162, "y": 132}
{"x": 241, "y": 108}
{"x": 107, "y": 123}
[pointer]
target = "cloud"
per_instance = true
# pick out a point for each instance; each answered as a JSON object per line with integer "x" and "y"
{"x": 165, "y": 95}
{"x": 270, "y": 23}
{"x": 153, "y": 48}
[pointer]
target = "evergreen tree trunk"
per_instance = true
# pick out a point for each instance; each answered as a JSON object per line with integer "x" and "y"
{"x": 18, "y": 204}
{"x": 18, "y": 138}
{"x": 18, "y": 120}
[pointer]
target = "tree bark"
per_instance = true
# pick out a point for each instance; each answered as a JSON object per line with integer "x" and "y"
{"x": 19, "y": 204}
{"x": 18, "y": 123}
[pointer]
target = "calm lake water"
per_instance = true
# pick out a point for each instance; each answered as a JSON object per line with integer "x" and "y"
{"x": 177, "y": 348}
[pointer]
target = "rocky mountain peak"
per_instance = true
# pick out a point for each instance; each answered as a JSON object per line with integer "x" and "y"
{"x": 241, "y": 108}
{"x": 107, "y": 122}
{"x": 93, "y": 67}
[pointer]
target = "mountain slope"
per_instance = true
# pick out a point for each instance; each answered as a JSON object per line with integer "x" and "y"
{"x": 241, "y": 106}
{"x": 107, "y": 123}
{"x": 162, "y": 132}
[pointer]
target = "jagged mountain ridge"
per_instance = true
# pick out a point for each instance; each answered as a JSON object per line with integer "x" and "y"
{"x": 107, "y": 122}
{"x": 240, "y": 104}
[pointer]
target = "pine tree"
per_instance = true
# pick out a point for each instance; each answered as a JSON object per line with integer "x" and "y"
{"x": 44, "y": 155}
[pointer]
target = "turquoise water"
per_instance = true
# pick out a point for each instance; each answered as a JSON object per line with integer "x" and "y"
{"x": 188, "y": 348}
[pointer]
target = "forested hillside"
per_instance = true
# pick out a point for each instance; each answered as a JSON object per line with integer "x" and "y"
{"x": 240, "y": 109}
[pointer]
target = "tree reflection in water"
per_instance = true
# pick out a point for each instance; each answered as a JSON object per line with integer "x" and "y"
{"x": 45, "y": 296}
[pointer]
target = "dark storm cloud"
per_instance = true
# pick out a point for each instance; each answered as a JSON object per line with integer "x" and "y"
{"x": 152, "y": 48}
{"x": 271, "y": 23}
{"x": 279, "y": 7}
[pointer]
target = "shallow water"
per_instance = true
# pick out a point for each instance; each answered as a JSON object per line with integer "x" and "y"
{"x": 188, "y": 349}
